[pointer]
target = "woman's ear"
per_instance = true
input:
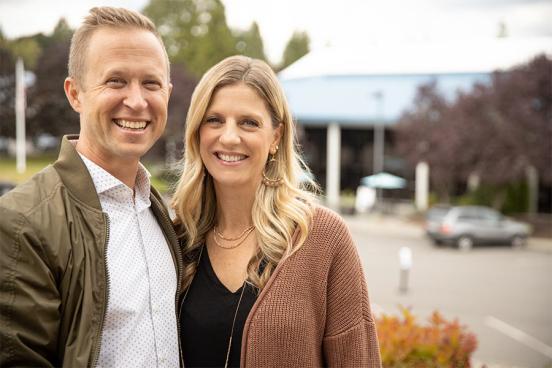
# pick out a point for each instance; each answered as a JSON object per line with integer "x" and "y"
{"x": 277, "y": 136}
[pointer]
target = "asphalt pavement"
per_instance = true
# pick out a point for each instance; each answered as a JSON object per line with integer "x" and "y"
{"x": 501, "y": 294}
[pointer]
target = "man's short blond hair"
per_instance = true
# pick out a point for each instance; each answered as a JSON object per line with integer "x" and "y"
{"x": 100, "y": 17}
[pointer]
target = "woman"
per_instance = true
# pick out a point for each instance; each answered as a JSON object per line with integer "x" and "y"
{"x": 271, "y": 278}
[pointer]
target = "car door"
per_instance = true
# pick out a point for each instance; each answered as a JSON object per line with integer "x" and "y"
{"x": 492, "y": 225}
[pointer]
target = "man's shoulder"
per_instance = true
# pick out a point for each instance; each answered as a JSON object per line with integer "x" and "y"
{"x": 27, "y": 196}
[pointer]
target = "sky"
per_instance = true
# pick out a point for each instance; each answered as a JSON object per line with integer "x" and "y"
{"x": 328, "y": 23}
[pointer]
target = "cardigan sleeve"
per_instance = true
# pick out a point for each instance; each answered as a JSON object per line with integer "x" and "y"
{"x": 350, "y": 338}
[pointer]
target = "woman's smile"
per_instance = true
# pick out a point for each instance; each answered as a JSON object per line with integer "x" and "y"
{"x": 230, "y": 158}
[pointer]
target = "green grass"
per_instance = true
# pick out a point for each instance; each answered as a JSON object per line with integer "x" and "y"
{"x": 9, "y": 173}
{"x": 161, "y": 185}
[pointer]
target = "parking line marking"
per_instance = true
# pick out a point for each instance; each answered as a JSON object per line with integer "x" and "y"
{"x": 519, "y": 335}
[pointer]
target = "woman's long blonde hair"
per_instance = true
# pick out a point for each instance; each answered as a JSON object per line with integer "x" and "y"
{"x": 277, "y": 211}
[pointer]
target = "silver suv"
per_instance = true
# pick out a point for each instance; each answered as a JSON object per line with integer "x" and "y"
{"x": 465, "y": 226}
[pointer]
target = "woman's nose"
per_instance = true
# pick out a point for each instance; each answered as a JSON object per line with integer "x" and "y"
{"x": 230, "y": 134}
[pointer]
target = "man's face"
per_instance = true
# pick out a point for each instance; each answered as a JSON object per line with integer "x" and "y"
{"x": 122, "y": 97}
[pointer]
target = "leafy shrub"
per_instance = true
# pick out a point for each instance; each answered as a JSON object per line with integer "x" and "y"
{"x": 508, "y": 198}
{"x": 406, "y": 344}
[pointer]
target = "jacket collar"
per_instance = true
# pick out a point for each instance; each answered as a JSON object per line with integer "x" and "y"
{"x": 74, "y": 174}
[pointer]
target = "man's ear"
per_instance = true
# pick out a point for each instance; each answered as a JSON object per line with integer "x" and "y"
{"x": 170, "y": 89}
{"x": 72, "y": 92}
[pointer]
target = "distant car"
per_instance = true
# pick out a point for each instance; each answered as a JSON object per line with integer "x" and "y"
{"x": 466, "y": 226}
{"x": 47, "y": 142}
{"x": 5, "y": 187}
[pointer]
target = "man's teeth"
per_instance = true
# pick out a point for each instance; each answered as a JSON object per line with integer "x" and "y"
{"x": 130, "y": 124}
{"x": 230, "y": 158}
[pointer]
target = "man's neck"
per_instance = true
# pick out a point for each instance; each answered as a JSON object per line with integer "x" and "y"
{"x": 124, "y": 170}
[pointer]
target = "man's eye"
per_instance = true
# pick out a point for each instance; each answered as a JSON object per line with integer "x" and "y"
{"x": 115, "y": 82}
{"x": 152, "y": 84}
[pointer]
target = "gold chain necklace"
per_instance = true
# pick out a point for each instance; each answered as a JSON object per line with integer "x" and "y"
{"x": 244, "y": 236}
{"x": 219, "y": 234}
{"x": 233, "y": 323}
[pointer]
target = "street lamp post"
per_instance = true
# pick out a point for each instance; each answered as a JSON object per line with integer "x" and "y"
{"x": 21, "y": 155}
{"x": 379, "y": 138}
{"x": 379, "y": 134}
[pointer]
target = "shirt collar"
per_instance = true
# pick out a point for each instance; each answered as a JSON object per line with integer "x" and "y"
{"x": 104, "y": 182}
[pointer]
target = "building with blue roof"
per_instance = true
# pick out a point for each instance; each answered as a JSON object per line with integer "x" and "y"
{"x": 346, "y": 101}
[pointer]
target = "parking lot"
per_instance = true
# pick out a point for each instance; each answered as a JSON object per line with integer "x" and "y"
{"x": 503, "y": 295}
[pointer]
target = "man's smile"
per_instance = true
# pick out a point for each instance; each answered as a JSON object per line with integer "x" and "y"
{"x": 134, "y": 125}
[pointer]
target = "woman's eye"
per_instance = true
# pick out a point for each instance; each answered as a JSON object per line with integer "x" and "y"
{"x": 250, "y": 123}
{"x": 212, "y": 120}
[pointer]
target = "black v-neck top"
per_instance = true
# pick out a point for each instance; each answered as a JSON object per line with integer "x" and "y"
{"x": 206, "y": 319}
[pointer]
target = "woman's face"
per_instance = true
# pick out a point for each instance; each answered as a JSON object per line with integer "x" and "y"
{"x": 236, "y": 136}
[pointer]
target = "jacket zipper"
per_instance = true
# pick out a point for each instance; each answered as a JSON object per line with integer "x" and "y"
{"x": 179, "y": 267}
{"x": 107, "y": 282}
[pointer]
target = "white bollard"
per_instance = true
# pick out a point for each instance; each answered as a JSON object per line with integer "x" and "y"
{"x": 405, "y": 264}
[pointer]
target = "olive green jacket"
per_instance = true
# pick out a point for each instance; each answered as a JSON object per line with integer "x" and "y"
{"x": 53, "y": 275}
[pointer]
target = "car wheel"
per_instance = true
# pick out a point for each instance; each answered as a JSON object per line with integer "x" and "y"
{"x": 517, "y": 241}
{"x": 464, "y": 243}
{"x": 437, "y": 242}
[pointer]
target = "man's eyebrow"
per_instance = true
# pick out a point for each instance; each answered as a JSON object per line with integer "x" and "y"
{"x": 115, "y": 71}
{"x": 122, "y": 71}
{"x": 153, "y": 76}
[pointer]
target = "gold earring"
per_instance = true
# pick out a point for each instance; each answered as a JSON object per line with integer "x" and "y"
{"x": 268, "y": 181}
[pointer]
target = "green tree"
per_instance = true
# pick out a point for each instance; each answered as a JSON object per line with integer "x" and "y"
{"x": 26, "y": 48}
{"x": 250, "y": 42}
{"x": 62, "y": 32}
{"x": 297, "y": 47}
{"x": 195, "y": 32}
{"x": 3, "y": 40}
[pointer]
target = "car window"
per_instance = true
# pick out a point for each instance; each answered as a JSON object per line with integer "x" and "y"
{"x": 490, "y": 215}
{"x": 468, "y": 214}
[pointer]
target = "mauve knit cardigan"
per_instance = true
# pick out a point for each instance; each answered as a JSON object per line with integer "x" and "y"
{"x": 314, "y": 311}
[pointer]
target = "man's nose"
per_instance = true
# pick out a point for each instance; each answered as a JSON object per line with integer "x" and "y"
{"x": 134, "y": 97}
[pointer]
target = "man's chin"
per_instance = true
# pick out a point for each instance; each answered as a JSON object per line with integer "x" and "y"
{"x": 131, "y": 151}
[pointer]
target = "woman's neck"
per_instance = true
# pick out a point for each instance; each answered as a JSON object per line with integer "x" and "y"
{"x": 234, "y": 211}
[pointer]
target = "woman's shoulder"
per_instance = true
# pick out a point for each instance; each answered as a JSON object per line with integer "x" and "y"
{"x": 326, "y": 220}
{"x": 328, "y": 229}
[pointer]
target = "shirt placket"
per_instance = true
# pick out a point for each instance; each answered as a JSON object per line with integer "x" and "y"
{"x": 156, "y": 286}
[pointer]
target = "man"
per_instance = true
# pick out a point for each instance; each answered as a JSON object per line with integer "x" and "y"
{"x": 89, "y": 263}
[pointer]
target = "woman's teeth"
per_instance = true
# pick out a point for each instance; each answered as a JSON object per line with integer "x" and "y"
{"x": 130, "y": 124}
{"x": 230, "y": 158}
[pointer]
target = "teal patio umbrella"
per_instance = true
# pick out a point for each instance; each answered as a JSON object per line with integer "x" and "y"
{"x": 383, "y": 180}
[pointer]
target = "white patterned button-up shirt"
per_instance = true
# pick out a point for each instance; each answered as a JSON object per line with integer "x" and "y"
{"x": 140, "y": 324}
